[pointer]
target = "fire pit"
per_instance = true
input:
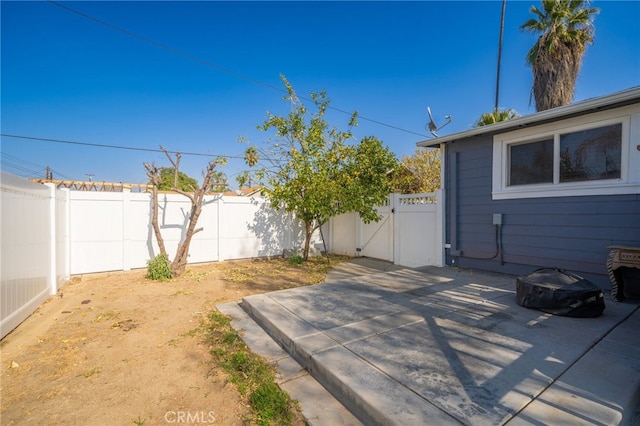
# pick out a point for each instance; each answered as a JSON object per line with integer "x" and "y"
{"x": 623, "y": 265}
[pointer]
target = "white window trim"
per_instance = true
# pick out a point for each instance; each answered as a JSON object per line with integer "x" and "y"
{"x": 628, "y": 183}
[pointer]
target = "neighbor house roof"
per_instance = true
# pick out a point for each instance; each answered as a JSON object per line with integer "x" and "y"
{"x": 615, "y": 100}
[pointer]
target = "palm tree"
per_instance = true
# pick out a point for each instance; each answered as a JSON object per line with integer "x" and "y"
{"x": 251, "y": 158}
{"x": 495, "y": 116}
{"x": 565, "y": 28}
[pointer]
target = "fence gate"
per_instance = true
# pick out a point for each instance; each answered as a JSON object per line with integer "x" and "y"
{"x": 376, "y": 238}
{"x": 409, "y": 233}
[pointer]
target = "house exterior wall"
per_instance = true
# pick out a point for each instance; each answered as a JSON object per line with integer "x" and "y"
{"x": 570, "y": 232}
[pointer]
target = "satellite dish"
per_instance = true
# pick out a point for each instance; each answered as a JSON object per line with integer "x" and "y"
{"x": 432, "y": 126}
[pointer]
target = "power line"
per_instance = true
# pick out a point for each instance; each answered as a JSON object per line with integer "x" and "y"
{"x": 129, "y": 148}
{"x": 21, "y": 169}
{"x": 99, "y": 145}
{"x": 26, "y": 167}
{"x": 212, "y": 65}
{"x": 164, "y": 46}
{"x": 18, "y": 164}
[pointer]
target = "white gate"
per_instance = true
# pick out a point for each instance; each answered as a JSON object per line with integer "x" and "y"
{"x": 376, "y": 238}
{"x": 409, "y": 233}
{"x": 418, "y": 230}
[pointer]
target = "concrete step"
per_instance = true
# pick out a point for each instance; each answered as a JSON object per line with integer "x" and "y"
{"x": 448, "y": 346}
{"x": 371, "y": 395}
{"x": 319, "y": 407}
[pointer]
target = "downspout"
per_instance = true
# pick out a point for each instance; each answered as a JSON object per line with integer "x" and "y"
{"x": 451, "y": 213}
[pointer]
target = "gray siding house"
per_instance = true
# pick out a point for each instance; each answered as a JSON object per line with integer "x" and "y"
{"x": 551, "y": 189}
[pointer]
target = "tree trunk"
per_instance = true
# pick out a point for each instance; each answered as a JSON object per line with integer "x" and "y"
{"x": 154, "y": 175}
{"x": 154, "y": 220}
{"x": 308, "y": 233}
{"x": 555, "y": 74}
{"x": 179, "y": 263}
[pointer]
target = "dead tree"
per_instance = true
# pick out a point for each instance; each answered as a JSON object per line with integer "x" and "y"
{"x": 179, "y": 262}
{"x": 154, "y": 177}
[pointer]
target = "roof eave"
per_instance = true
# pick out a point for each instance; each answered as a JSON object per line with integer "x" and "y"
{"x": 615, "y": 100}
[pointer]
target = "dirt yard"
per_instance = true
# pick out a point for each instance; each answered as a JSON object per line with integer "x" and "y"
{"x": 118, "y": 349}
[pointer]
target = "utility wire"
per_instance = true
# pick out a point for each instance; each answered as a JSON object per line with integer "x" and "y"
{"x": 26, "y": 167}
{"x": 164, "y": 46}
{"x": 212, "y": 65}
{"x": 130, "y": 148}
{"x": 22, "y": 169}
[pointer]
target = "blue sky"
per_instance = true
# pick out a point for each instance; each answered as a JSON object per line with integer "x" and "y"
{"x": 194, "y": 76}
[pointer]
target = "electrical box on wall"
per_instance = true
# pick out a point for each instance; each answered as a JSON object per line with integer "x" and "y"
{"x": 497, "y": 218}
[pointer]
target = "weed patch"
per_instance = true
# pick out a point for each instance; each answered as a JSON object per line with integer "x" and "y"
{"x": 253, "y": 377}
{"x": 296, "y": 260}
{"x": 270, "y": 402}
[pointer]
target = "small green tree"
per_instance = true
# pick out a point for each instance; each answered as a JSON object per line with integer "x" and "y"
{"x": 418, "y": 173}
{"x": 167, "y": 182}
{"x": 315, "y": 173}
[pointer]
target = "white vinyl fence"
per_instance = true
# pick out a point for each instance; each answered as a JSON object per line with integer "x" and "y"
{"x": 409, "y": 232}
{"x": 48, "y": 235}
{"x": 34, "y": 259}
{"x": 112, "y": 230}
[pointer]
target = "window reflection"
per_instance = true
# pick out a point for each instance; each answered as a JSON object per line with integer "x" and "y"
{"x": 531, "y": 163}
{"x": 592, "y": 154}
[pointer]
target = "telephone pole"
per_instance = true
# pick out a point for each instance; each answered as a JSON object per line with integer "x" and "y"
{"x": 504, "y": 6}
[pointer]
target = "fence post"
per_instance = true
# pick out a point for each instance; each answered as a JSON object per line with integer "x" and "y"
{"x": 51, "y": 274}
{"x": 67, "y": 233}
{"x": 394, "y": 209}
{"x": 220, "y": 203}
{"x": 440, "y": 231}
{"x": 126, "y": 225}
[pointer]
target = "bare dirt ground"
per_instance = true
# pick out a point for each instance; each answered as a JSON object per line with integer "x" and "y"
{"x": 118, "y": 349}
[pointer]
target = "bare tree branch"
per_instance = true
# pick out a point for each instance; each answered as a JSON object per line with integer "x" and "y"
{"x": 175, "y": 164}
{"x": 186, "y": 194}
{"x": 154, "y": 175}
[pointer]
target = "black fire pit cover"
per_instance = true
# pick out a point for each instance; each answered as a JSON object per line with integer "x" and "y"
{"x": 559, "y": 292}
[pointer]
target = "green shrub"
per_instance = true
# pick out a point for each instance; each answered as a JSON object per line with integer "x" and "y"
{"x": 158, "y": 268}
{"x": 296, "y": 259}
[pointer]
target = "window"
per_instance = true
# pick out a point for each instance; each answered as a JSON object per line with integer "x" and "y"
{"x": 592, "y": 154}
{"x": 588, "y": 155}
{"x": 531, "y": 163}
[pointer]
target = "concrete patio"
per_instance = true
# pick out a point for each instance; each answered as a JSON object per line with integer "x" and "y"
{"x": 400, "y": 346}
